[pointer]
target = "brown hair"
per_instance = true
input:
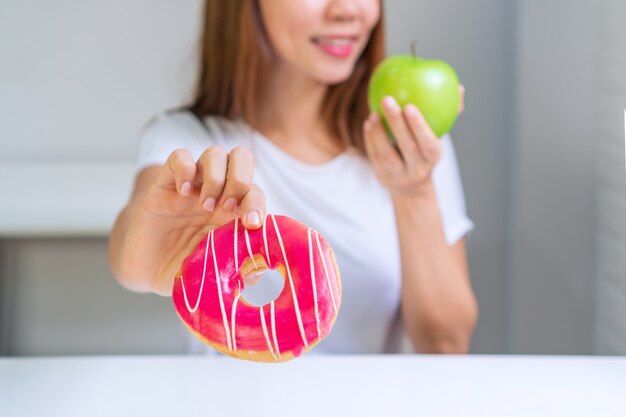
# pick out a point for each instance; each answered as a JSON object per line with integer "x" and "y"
{"x": 236, "y": 59}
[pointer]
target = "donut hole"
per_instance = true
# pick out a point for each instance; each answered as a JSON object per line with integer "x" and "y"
{"x": 262, "y": 286}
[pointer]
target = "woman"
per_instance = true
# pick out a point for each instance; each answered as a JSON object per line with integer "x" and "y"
{"x": 282, "y": 95}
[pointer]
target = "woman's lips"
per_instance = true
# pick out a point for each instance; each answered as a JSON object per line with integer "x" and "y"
{"x": 336, "y": 46}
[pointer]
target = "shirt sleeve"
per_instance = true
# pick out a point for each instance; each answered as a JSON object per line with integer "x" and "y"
{"x": 450, "y": 196}
{"x": 167, "y": 132}
{"x": 155, "y": 142}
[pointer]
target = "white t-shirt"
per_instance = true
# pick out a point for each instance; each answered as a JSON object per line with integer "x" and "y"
{"x": 343, "y": 200}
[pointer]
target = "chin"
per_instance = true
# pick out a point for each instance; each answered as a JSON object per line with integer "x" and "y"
{"x": 335, "y": 76}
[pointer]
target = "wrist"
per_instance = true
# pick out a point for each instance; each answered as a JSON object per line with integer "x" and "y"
{"x": 424, "y": 193}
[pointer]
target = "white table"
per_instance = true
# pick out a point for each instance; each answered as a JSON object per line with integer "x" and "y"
{"x": 314, "y": 386}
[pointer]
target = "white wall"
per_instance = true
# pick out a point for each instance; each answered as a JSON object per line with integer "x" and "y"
{"x": 79, "y": 78}
{"x": 552, "y": 246}
{"x": 610, "y": 236}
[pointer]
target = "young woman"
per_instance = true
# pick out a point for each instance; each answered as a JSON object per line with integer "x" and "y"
{"x": 281, "y": 96}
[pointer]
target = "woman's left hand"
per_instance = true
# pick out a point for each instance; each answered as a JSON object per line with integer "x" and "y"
{"x": 406, "y": 169}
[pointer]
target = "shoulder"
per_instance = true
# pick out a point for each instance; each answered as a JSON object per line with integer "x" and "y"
{"x": 185, "y": 127}
{"x": 168, "y": 131}
{"x": 172, "y": 122}
{"x": 180, "y": 128}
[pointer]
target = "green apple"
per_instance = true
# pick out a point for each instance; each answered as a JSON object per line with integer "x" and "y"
{"x": 431, "y": 85}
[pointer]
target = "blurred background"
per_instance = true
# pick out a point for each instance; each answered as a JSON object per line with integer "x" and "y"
{"x": 540, "y": 147}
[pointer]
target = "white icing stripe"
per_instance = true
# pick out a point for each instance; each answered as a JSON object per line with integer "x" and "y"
{"x": 267, "y": 337}
{"x": 317, "y": 313}
{"x": 267, "y": 252}
{"x": 182, "y": 283}
{"x": 219, "y": 294}
{"x": 330, "y": 288}
{"x": 293, "y": 290}
{"x": 233, "y": 316}
{"x": 273, "y": 323}
{"x": 245, "y": 233}
{"x": 235, "y": 245}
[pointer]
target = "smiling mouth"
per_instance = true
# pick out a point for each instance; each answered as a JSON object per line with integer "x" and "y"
{"x": 335, "y": 41}
{"x": 336, "y": 46}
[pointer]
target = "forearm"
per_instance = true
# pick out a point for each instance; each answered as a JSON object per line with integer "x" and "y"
{"x": 438, "y": 305}
{"x": 120, "y": 266}
{"x": 127, "y": 259}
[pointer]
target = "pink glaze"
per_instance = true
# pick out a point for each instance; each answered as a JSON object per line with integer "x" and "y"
{"x": 286, "y": 327}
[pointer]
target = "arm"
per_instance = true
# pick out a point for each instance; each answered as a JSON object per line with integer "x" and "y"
{"x": 120, "y": 228}
{"x": 171, "y": 209}
{"x": 438, "y": 306}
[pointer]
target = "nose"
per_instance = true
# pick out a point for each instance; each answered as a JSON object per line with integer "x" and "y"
{"x": 342, "y": 10}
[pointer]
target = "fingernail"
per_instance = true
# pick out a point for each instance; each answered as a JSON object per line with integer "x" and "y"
{"x": 390, "y": 103}
{"x": 374, "y": 117}
{"x": 185, "y": 189}
{"x": 230, "y": 204}
{"x": 253, "y": 218}
{"x": 209, "y": 204}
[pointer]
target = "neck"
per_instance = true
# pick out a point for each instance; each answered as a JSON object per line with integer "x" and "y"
{"x": 290, "y": 116}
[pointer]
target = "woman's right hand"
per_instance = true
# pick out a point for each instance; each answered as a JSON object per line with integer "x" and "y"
{"x": 172, "y": 209}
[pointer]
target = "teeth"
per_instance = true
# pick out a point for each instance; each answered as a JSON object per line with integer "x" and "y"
{"x": 335, "y": 42}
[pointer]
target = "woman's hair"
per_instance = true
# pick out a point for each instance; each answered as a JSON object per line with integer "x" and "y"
{"x": 236, "y": 59}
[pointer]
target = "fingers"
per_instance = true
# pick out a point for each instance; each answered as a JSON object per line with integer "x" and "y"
{"x": 238, "y": 178}
{"x": 227, "y": 186}
{"x": 378, "y": 145}
{"x": 461, "y": 99}
{"x": 252, "y": 208}
{"x": 427, "y": 141}
{"x": 397, "y": 124}
{"x": 211, "y": 173}
{"x": 178, "y": 172}
{"x": 418, "y": 148}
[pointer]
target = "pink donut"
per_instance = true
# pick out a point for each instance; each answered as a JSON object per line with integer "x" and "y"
{"x": 301, "y": 316}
